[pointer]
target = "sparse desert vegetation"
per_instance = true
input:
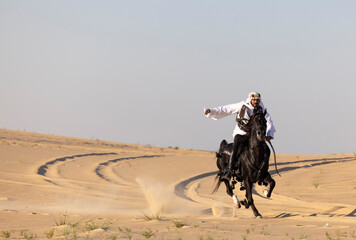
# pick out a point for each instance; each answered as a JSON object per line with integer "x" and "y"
{"x": 153, "y": 216}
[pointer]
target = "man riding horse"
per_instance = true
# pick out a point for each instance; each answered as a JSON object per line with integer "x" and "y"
{"x": 243, "y": 111}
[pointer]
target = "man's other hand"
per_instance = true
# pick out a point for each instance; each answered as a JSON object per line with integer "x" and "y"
{"x": 269, "y": 138}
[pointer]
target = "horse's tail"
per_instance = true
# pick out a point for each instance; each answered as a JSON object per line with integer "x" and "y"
{"x": 216, "y": 184}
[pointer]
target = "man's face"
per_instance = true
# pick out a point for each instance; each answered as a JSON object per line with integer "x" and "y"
{"x": 255, "y": 102}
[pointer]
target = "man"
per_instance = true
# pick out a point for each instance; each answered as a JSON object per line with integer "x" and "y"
{"x": 244, "y": 111}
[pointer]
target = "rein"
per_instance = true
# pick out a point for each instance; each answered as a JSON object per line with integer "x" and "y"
{"x": 274, "y": 153}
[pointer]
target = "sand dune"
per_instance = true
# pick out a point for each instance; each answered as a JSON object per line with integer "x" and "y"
{"x": 71, "y": 188}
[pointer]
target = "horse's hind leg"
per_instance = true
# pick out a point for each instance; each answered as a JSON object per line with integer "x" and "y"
{"x": 231, "y": 193}
{"x": 271, "y": 185}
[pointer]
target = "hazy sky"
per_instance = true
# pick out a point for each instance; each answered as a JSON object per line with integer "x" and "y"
{"x": 142, "y": 71}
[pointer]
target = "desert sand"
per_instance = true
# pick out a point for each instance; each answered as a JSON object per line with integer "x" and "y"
{"x": 54, "y": 187}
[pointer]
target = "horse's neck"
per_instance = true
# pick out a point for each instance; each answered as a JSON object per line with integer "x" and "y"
{"x": 254, "y": 146}
{"x": 253, "y": 141}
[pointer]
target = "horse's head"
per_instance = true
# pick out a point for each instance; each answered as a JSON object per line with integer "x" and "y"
{"x": 258, "y": 124}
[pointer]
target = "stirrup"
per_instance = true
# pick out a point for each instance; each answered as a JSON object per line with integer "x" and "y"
{"x": 242, "y": 186}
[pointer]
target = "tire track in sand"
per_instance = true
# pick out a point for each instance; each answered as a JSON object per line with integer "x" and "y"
{"x": 50, "y": 172}
{"x": 182, "y": 188}
{"x": 104, "y": 169}
{"x": 42, "y": 170}
{"x": 98, "y": 167}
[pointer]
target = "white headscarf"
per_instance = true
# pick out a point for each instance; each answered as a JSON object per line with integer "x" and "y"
{"x": 254, "y": 95}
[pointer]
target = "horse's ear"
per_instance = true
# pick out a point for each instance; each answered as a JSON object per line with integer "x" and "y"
{"x": 265, "y": 112}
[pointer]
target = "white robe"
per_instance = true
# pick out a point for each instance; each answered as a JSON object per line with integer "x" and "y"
{"x": 231, "y": 109}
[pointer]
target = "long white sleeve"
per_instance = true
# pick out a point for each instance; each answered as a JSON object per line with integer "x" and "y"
{"x": 224, "y": 111}
{"x": 270, "y": 126}
{"x": 231, "y": 109}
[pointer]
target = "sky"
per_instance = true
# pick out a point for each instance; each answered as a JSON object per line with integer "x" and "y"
{"x": 142, "y": 72}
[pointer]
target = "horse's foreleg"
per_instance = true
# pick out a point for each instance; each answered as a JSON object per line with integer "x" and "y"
{"x": 228, "y": 188}
{"x": 231, "y": 193}
{"x": 271, "y": 185}
{"x": 236, "y": 201}
{"x": 250, "y": 201}
{"x": 248, "y": 194}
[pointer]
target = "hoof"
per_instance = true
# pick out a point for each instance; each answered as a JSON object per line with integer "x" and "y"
{"x": 244, "y": 202}
{"x": 236, "y": 201}
{"x": 265, "y": 192}
{"x": 259, "y": 216}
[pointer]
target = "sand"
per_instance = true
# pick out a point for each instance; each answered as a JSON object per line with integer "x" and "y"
{"x": 71, "y": 188}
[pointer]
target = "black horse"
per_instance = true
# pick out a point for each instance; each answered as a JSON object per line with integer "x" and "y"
{"x": 254, "y": 159}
